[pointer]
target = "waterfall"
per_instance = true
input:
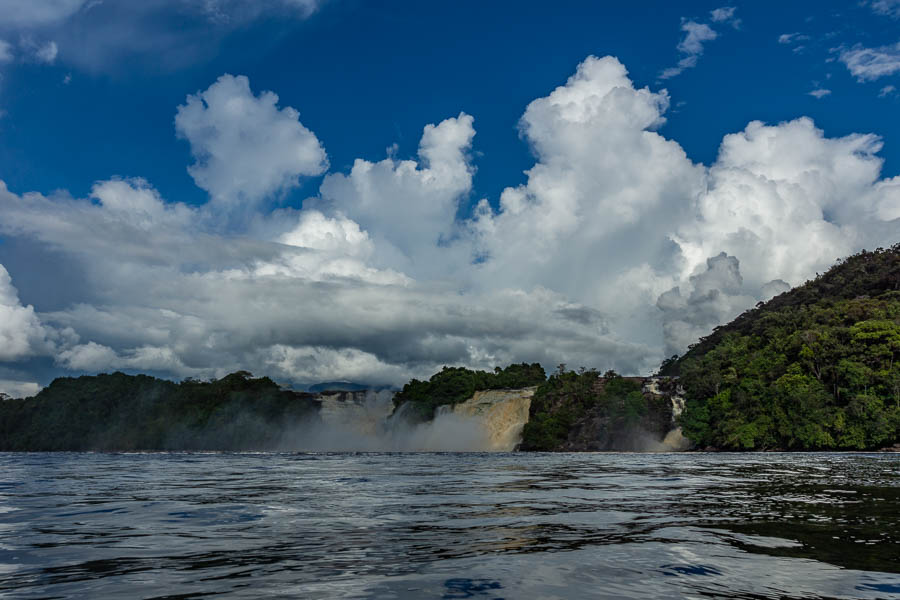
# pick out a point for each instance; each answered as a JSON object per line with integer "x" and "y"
{"x": 674, "y": 440}
{"x": 489, "y": 421}
{"x": 501, "y": 414}
{"x": 367, "y": 422}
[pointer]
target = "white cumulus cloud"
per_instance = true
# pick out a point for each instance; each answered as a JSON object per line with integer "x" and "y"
{"x": 788, "y": 201}
{"x": 593, "y": 219}
{"x": 615, "y": 251}
{"x": 21, "y": 331}
{"x": 246, "y": 147}
{"x": 410, "y": 206}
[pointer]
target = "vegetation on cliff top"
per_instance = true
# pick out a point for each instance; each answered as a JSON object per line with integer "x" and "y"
{"x": 452, "y": 385}
{"x": 608, "y": 410}
{"x": 139, "y": 412}
{"x": 817, "y": 367}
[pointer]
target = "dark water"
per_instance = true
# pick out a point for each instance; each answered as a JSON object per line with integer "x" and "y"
{"x": 450, "y": 525}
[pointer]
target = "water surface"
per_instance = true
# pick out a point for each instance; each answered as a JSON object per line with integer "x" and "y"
{"x": 450, "y": 525}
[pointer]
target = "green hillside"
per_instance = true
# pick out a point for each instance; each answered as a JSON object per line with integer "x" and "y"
{"x": 817, "y": 367}
{"x": 139, "y": 412}
{"x": 581, "y": 411}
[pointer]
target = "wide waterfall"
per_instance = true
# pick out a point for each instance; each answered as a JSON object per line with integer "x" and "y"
{"x": 501, "y": 413}
{"x": 491, "y": 421}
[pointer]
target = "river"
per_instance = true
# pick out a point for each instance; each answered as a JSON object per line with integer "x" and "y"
{"x": 466, "y": 525}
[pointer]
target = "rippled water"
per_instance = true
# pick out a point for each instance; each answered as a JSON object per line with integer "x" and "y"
{"x": 450, "y": 525}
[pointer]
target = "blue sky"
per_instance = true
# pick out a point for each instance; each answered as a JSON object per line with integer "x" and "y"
{"x": 365, "y": 75}
{"x": 89, "y": 93}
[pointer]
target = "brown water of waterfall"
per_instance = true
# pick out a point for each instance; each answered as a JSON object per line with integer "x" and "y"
{"x": 366, "y": 421}
{"x": 490, "y": 421}
{"x": 501, "y": 413}
{"x": 674, "y": 440}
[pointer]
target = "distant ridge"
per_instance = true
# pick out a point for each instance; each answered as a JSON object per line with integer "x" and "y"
{"x": 340, "y": 386}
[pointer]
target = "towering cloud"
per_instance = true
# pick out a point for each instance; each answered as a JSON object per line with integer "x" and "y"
{"x": 787, "y": 201}
{"x": 409, "y": 206}
{"x": 594, "y": 218}
{"x": 616, "y": 251}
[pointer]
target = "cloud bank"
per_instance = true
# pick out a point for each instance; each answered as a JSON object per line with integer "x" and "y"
{"x": 98, "y": 35}
{"x": 617, "y": 250}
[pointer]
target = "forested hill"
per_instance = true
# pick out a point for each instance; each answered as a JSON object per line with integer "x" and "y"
{"x": 817, "y": 367}
{"x": 139, "y": 412}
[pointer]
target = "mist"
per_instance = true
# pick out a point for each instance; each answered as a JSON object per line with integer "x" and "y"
{"x": 374, "y": 426}
{"x": 367, "y": 424}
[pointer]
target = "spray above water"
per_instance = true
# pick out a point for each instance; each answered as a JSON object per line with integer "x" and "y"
{"x": 367, "y": 422}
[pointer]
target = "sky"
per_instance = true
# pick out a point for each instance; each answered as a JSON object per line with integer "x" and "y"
{"x": 321, "y": 190}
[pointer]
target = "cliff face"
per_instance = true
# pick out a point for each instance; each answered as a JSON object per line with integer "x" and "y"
{"x": 577, "y": 412}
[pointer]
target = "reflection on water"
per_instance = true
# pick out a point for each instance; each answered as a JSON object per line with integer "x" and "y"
{"x": 450, "y": 525}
